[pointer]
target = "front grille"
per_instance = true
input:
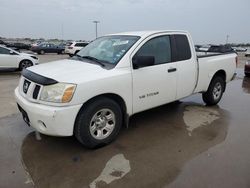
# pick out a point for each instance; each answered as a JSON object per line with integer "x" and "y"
{"x": 29, "y": 89}
{"x": 36, "y": 91}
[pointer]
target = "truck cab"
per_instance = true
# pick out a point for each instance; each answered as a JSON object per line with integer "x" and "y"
{"x": 95, "y": 92}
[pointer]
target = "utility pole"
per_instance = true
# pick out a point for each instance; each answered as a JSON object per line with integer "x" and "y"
{"x": 227, "y": 39}
{"x": 62, "y": 28}
{"x": 96, "y": 22}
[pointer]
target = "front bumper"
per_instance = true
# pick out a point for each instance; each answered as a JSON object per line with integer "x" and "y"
{"x": 49, "y": 120}
{"x": 36, "y": 61}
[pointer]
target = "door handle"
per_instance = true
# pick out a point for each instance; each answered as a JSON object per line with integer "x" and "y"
{"x": 172, "y": 70}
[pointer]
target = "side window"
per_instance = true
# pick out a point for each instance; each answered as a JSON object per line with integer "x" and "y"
{"x": 4, "y": 51}
{"x": 159, "y": 48}
{"x": 182, "y": 48}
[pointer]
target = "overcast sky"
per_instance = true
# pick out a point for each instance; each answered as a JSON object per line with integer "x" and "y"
{"x": 209, "y": 21}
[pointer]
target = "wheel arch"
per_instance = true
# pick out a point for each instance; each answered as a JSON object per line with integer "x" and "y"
{"x": 24, "y": 60}
{"x": 220, "y": 73}
{"x": 117, "y": 98}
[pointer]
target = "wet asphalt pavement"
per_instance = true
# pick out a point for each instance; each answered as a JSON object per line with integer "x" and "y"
{"x": 182, "y": 144}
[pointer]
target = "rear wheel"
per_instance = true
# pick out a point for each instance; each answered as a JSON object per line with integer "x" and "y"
{"x": 60, "y": 52}
{"x": 24, "y": 64}
{"x": 98, "y": 123}
{"x": 214, "y": 92}
{"x": 42, "y": 52}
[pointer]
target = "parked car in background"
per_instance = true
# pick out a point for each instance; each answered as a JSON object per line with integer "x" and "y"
{"x": 197, "y": 47}
{"x": 93, "y": 94}
{"x": 2, "y": 43}
{"x": 202, "y": 48}
{"x": 74, "y": 47}
{"x": 37, "y": 43}
{"x": 10, "y": 58}
{"x": 19, "y": 45}
{"x": 216, "y": 49}
{"x": 220, "y": 49}
{"x": 239, "y": 49}
{"x": 48, "y": 48}
{"x": 247, "y": 54}
{"x": 247, "y": 69}
{"x": 62, "y": 45}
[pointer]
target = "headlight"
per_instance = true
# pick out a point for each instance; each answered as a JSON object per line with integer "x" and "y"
{"x": 58, "y": 93}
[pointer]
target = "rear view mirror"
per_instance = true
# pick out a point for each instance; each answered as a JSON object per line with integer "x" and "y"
{"x": 143, "y": 61}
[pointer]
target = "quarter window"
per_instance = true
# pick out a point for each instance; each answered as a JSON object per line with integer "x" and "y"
{"x": 159, "y": 48}
{"x": 182, "y": 48}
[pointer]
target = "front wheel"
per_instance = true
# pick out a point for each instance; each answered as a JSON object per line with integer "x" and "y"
{"x": 98, "y": 123}
{"x": 42, "y": 52}
{"x": 25, "y": 64}
{"x": 214, "y": 92}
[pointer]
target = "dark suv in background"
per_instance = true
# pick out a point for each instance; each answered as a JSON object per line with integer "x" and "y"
{"x": 48, "y": 48}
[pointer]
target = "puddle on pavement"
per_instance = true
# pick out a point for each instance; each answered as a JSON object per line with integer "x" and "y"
{"x": 196, "y": 116}
{"x": 150, "y": 153}
{"x": 246, "y": 85}
{"x": 116, "y": 168}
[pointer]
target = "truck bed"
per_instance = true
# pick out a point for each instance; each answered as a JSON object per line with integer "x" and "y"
{"x": 209, "y": 64}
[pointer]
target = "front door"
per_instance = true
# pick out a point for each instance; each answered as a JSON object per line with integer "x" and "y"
{"x": 154, "y": 85}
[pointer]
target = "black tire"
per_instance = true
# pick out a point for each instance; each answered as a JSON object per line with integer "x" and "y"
{"x": 42, "y": 52}
{"x": 215, "y": 91}
{"x": 88, "y": 116}
{"x": 60, "y": 52}
{"x": 24, "y": 64}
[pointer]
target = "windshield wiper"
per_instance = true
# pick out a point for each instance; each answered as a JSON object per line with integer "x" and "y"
{"x": 92, "y": 59}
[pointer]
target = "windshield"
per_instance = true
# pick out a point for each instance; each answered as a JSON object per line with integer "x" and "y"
{"x": 109, "y": 49}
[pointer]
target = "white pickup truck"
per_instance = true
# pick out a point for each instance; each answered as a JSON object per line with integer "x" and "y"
{"x": 94, "y": 93}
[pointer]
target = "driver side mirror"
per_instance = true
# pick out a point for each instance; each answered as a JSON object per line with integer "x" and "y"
{"x": 143, "y": 61}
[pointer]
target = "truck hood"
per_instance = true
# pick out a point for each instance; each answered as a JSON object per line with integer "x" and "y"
{"x": 69, "y": 71}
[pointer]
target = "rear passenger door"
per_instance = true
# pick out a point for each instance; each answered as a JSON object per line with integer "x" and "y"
{"x": 186, "y": 65}
{"x": 154, "y": 85}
